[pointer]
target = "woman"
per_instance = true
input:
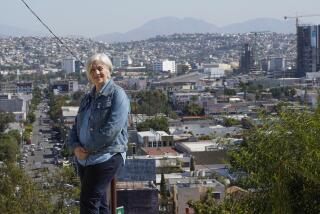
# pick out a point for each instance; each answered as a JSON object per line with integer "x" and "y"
{"x": 99, "y": 137}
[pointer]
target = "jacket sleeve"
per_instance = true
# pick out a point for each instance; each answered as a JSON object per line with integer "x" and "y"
{"x": 73, "y": 140}
{"x": 114, "y": 124}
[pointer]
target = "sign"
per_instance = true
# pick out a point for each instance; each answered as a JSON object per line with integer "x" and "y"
{"x": 120, "y": 210}
{"x": 138, "y": 170}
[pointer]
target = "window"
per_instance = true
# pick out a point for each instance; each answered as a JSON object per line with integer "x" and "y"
{"x": 216, "y": 195}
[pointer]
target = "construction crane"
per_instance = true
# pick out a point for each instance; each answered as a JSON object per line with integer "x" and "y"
{"x": 297, "y": 17}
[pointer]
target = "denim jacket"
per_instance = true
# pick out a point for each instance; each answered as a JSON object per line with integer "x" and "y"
{"x": 108, "y": 121}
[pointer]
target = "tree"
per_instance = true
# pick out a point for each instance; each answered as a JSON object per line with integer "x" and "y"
{"x": 193, "y": 109}
{"x": 151, "y": 103}
{"x": 278, "y": 164}
{"x": 156, "y": 123}
{"x": 55, "y": 107}
{"x": 31, "y": 117}
{"x": 8, "y": 148}
{"x": 18, "y": 194}
{"x": 228, "y": 121}
{"x": 208, "y": 205}
{"x": 279, "y": 161}
{"x": 5, "y": 119}
{"x": 65, "y": 186}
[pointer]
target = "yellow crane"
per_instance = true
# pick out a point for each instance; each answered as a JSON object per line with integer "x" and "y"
{"x": 301, "y": 16}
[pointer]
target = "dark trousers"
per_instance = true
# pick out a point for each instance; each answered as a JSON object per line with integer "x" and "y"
{"x": 95, "y": 180}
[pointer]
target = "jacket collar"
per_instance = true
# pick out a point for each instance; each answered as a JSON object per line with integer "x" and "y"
{"x": 105, "y": 91}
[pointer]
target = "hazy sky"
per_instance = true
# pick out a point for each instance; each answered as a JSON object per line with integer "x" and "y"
{"x": 95, "y": 17}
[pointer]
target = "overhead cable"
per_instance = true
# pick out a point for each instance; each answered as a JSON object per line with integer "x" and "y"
{"x": 47, "y": 27}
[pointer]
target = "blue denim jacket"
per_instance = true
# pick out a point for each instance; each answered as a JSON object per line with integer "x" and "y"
{"x": 108, "y": 121}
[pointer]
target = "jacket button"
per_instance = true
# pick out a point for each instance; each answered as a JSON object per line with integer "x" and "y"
{"x": 91, "y": 129}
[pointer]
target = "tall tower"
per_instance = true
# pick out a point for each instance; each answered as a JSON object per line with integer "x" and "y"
{"x": 308, "y": 49}
{"x": 246, "y": 60}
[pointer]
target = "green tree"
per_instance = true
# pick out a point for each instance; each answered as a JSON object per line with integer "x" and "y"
{"x": 5, "y": 119}
{"x": 9, "y": 148}
{"x": 156, "y": 123}
{"x": 150, "y": 102}
{"x": 278, "y": 164}
{"x": 230, "y": 122}
{"x": 65, "y": 187}
{"x": 279, "y": 160}
{"x": 31, "y": 117}
{"x": 193, "y": 109}
{"x": 18, "y": 194}
{"x": 207, "y": 205}
{"x": 55, "y": 103}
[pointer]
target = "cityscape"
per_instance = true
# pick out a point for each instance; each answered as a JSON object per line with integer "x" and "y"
{"x": 219, "y": 122}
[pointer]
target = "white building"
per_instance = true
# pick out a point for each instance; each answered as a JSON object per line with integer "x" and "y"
{"x": 199, "y": 146}
{"x": 68, "y": 65}
{"x": 17, "y": 104}
{"x": 155, "y": 139}
{"x": 165, "y": 66}
{"x": 214, "y": 72}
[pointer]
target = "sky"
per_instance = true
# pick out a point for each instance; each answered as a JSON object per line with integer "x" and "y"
{"x": 95, "y": 17}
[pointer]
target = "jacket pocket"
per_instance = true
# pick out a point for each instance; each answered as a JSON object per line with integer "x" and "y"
{"x": 101, "y": 113}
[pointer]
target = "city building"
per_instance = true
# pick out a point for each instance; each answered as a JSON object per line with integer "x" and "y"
{"x": 308, "y": 49}
{"x": 165, "y": 66}
{"x": 69, "y": 65}
{"x": 155, "y": 139}
{"x": 116, "y": 61}
{"x": 137, "y": 197}
{"x": 246, "y": 59}
{"x": 276, "y": 66}
{"x": 16, "y": 105}
{"x": 186, "y": 189}
{"x": 16, "y": 87}
{"x": 69, "y": 114}
{"x": 64, "y": 86}
{"x": 24, "y": 87}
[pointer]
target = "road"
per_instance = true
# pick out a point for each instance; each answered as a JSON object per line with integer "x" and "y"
{"x": 43, "y": 144}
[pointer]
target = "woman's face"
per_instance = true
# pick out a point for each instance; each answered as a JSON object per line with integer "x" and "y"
{"x": 99, "y": 74}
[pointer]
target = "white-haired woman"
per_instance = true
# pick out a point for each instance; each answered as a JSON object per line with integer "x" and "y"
{"x": 99, "y": 137}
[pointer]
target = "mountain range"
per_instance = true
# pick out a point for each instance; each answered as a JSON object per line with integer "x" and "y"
{"x": 171, "y": 25}
{"x": 7, "y": 30}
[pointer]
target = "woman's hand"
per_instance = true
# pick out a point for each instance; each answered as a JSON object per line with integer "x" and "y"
{"x": 80, "y": 153}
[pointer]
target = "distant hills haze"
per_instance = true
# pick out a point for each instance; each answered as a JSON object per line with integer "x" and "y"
{"x": 171, "y": 25}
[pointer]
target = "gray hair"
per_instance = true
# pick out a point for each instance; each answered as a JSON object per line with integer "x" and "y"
{"x": 99, "y": 57}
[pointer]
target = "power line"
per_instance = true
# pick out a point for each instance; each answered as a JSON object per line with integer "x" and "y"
{"x": 48, "y": 28}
